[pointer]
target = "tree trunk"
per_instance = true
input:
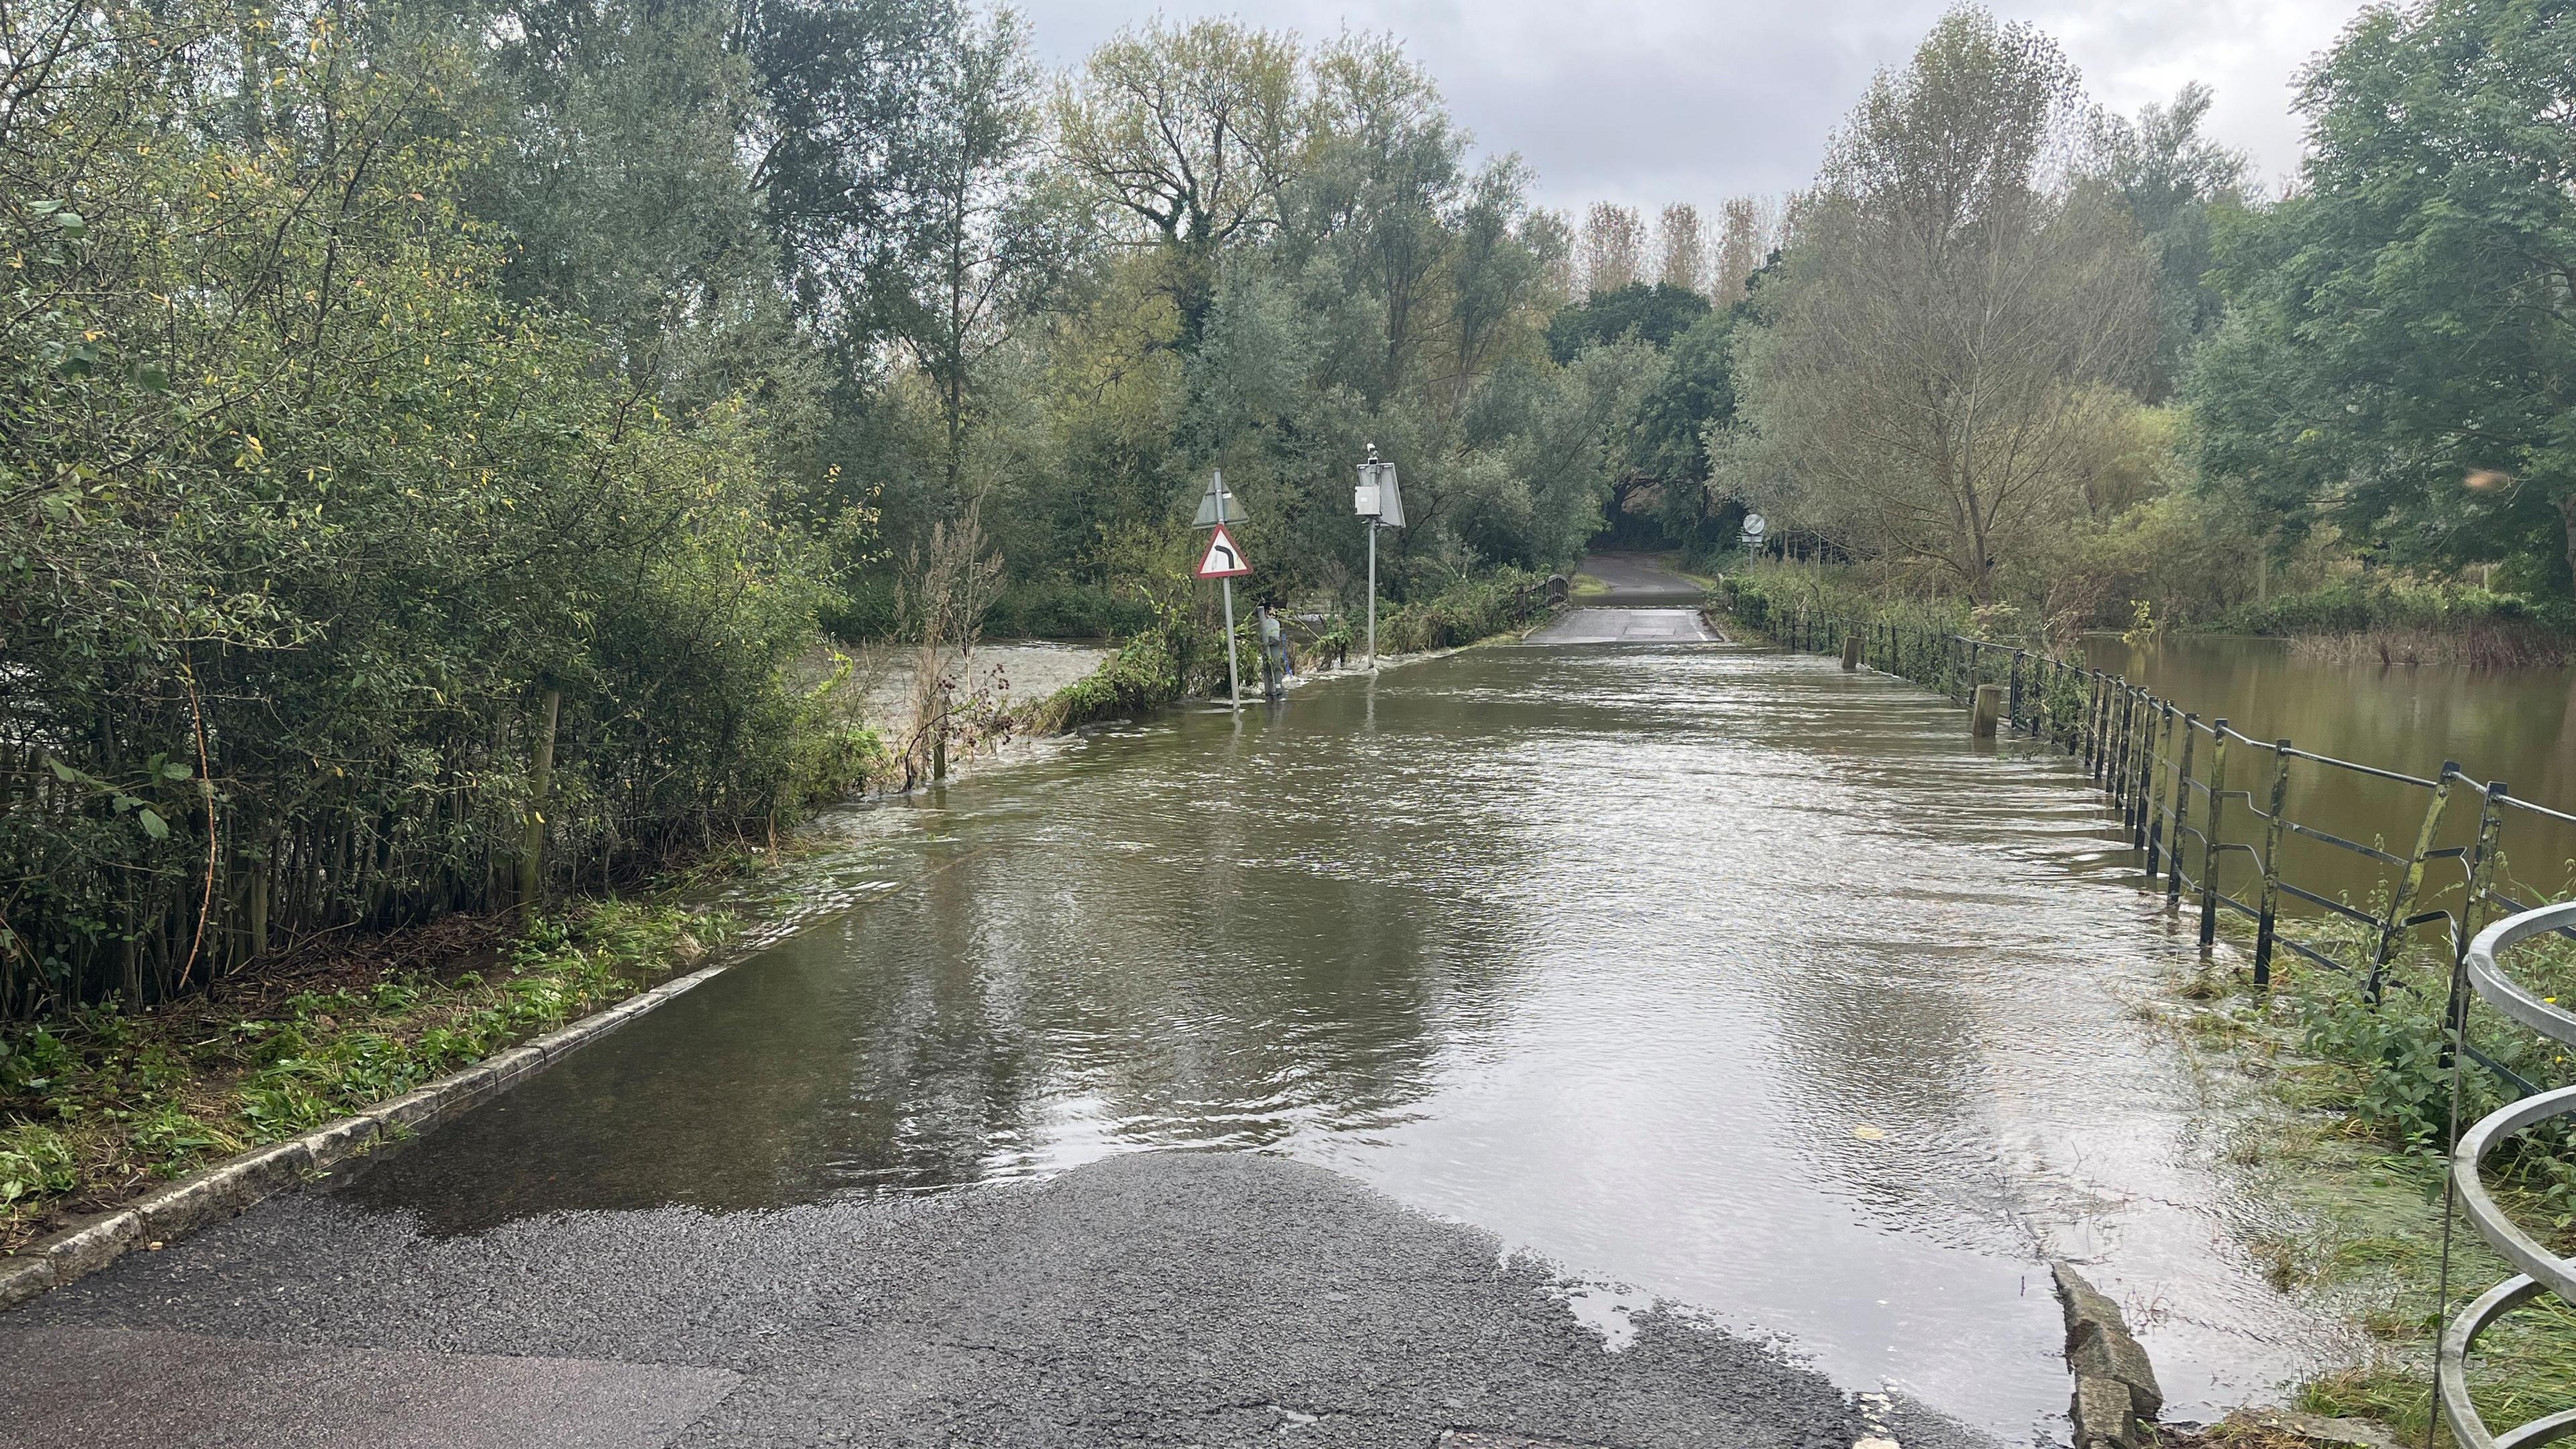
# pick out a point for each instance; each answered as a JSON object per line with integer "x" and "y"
{"x": 2567, "y": 521}
{"x": 541, "y": 778}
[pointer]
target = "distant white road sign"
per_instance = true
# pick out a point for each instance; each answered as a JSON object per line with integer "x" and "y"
{"x": 1224, "y": 560}
{"x": 1755, "y": 525}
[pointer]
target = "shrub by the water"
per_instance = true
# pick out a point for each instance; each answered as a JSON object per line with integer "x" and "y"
{"x": 317, "y": 552}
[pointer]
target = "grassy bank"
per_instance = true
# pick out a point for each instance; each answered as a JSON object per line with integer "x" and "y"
{"x": 2339, "y": 1113}
{"x": 2398, "y": 622}
{"x": 102, "y": 1104}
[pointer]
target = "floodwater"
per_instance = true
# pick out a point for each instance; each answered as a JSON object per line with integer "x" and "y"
{"x": 1712, "y": 973}
{"x": 2517, "y": 726}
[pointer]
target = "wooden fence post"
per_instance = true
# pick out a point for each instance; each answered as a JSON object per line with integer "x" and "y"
{"x": 1987, "y": 706}
{"x": 2271, "y": 867}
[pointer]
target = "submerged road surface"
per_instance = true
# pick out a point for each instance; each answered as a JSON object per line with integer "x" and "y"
{"x": 1678, "y": 973}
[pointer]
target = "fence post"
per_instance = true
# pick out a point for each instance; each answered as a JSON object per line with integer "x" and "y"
{"x": 2481, "y": 872}
{"x": 2124, "y": 704}
{"x": 2181, "y": 813}
{"x": 2209, "y": 834}
{"x": 2413, "y": 881}
{"x": 2155, "y": 832}
{"x": 2095, "y": 706}
{"x": 2271, "y": 867}
{"x": 2012, "y": 708}
{"x": 2142, "y": 783}
{"x": 2101, "y": 759}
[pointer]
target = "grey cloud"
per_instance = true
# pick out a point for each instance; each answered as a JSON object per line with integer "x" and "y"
{"x": 1645, "y": 102}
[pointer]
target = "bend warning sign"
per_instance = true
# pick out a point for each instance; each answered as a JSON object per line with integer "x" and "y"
{"x": 1224, "y": 560}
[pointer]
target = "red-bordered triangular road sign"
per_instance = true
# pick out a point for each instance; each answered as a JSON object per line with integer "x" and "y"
{"x": 1223, "y": 560}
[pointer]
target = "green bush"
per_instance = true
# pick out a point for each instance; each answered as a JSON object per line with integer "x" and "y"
{"x": 1466, "y": 611}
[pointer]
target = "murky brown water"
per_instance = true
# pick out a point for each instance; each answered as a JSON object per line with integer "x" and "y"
{"x": 1708, "y": 970}
{"x": 2516, "y": 726}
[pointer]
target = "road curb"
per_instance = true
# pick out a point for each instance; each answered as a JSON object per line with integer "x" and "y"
{"x": 2115, "y": 1385}
{"x": 228, "y": 1188}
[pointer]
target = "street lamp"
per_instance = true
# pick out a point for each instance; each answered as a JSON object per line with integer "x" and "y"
{"x": 1378, "y": 500}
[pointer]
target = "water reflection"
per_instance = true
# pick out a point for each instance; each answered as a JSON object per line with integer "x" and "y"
{"x": 2513, "y": 725}
{"x": 1709, "y": 970}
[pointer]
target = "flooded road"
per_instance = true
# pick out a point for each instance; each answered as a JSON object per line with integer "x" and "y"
{"x": 1705, "y": 970}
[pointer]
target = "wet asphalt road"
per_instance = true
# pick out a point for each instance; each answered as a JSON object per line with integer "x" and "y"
{"x": 1639, "y": 581}
{"x": 1160, "y": 1298}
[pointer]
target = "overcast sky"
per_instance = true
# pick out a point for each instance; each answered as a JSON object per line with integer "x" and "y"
{"x": 1649, "y": 101}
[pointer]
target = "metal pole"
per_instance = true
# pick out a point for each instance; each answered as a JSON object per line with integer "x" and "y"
{"x": 2181, "y": 814}
{"x": 1372, "y": 596}
{"x": 2209, "y": 833}
{"x": 2267, "y": 922}
{"x": 1233, "y": 671}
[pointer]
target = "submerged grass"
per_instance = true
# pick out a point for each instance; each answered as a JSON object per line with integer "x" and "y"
{"x": 2347, "y": 1125}
{"x": 100, "y": 1104}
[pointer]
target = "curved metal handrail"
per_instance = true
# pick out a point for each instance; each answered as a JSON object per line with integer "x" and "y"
{"x": 2542, "y": 1270}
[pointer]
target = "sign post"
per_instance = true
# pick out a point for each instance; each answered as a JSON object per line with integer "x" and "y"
{"x": 1223, "y": 562}
{"x": 1378, "y": 500}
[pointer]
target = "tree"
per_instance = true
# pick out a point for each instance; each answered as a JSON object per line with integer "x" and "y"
{"x": 1654, "y": 315}
{"x": 2400, "y": 357}
{"x": 1951, "y": 295}
{"x": 983, "y": 236}
{"x": 1192, "y": 131}
{"x": 1751, "y": 230}
{"x": 1681, "y": 252}
{"x": 835, "y": 144}
{"x": 1383, "y": 174}
{"x": 1614, "y": 247}
{"x": 2171, "y": 178}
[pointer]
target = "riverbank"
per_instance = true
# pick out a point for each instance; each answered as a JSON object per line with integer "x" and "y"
{"x": 2336, "y": 1112}
{"x": 103, "y": 1105}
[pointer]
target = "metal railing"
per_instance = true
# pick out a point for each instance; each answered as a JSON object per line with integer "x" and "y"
{"x": 2178, "y": 782}
{"x": 2541, "y": 1270}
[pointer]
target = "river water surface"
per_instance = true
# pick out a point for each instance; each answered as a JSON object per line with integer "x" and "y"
{"x": 1704, "y": 970}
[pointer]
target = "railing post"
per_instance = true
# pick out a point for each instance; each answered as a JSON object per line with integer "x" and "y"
{"x": 2143, "y": 778}
{"x": 2181, "y": 813}
{"x": 2481, "y": 864}
{"x": 2156, "y": 817}
{"x": 2095, "y": 707}
{"x": 2124, "y": 704}
{"x": 2209, "y": 834}
{"x": 2403, "y": 902}
{"x": 2012, "y": 708}
{"x": 2472, "y": 913}
{"x": 2271, "y": 867}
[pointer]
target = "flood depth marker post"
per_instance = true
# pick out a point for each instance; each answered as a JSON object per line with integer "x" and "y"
{"x": 1224, "y": 562}
{"x": 1378, "y": 500}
